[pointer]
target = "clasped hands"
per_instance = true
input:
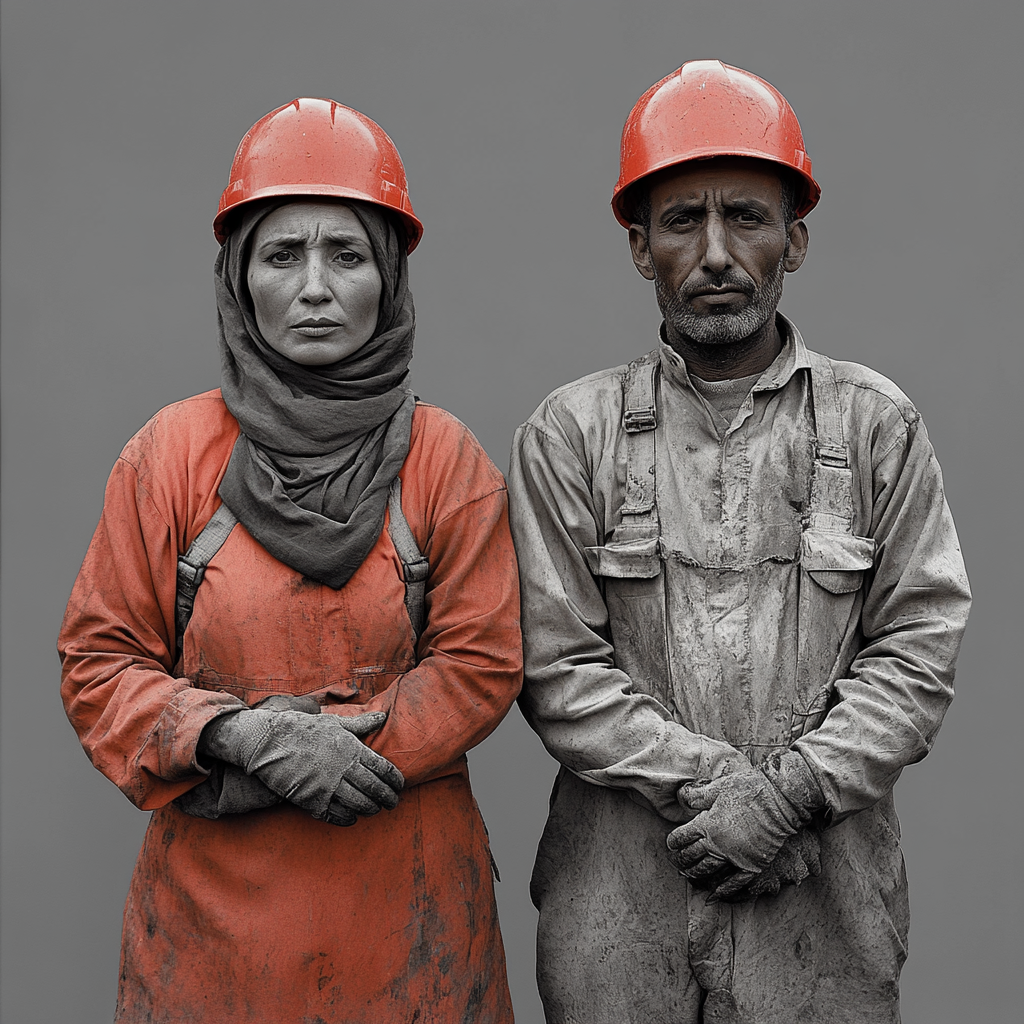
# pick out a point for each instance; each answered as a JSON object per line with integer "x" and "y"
{"x": 284, "y": 749}
{"x": 753, "y": 833}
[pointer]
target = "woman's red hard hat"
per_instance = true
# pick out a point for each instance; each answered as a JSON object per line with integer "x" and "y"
{"x": 315, "y": 147}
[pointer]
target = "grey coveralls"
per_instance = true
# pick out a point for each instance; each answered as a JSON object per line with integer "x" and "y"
{"x": 794, "y": 583}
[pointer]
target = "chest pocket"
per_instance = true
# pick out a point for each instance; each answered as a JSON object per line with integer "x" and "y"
{"x": 836, "y": 561}
{"x": 629, "y": 559}
{"x": 630, "y": 573}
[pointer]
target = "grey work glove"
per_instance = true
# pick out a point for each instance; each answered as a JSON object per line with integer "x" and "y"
{"x": 747, "y": 818}
{"x": 316, "y": 762}
{"x": 744, "y": 822}
{"x": 798, "y": 859}
{"x": 227, "y": 789}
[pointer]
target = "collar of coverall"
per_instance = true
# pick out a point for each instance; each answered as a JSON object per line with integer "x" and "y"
{"x": 793, "y": 357}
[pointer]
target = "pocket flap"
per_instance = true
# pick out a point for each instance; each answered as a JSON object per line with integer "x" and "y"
{"x": 635, "y": 559}
{"x": 836, "y": 561}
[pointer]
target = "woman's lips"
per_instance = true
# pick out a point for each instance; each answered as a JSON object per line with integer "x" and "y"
{"x": 316, "y": 328}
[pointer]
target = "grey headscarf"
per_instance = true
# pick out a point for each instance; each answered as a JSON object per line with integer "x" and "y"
{"x": 320, "y": 445}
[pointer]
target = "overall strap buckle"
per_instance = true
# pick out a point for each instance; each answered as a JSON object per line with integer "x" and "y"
{"x": 639, "y": 420}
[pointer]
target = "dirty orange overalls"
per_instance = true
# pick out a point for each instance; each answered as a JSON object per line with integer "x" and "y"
{"x": 272, "y": 915}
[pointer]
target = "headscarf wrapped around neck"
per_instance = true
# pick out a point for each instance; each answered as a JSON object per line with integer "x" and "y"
{"x": 319, "y": 445}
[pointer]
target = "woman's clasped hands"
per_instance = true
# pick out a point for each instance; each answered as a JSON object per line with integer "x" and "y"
{"x": 317, "y": 762}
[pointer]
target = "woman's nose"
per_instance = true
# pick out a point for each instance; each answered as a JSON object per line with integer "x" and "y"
{"x": 315, "y": 284}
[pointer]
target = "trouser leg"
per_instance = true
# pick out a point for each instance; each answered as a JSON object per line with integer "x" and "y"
{"x": 826, "y": 952}
{"x": 623, "y": 938}
{"x": 612, "y": 940}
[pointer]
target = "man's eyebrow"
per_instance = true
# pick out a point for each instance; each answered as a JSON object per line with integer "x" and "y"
{"x": 743, "y": 202}
{"x": 690, "y": 204}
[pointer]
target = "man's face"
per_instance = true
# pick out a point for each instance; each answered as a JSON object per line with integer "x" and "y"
{"x": 717, "y": 249}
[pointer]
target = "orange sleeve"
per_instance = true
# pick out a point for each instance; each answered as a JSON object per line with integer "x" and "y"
{"x": 471, "y": 660}
{"x": 138, "y": 724}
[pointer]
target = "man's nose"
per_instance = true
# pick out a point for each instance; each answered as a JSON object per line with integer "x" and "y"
{"x": 315, "y": 284}
{"x": 716, "y": 258}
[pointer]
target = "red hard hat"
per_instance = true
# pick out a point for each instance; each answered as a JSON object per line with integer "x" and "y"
{"x": 708, "y": 109}
{"x": 315, "y": 147}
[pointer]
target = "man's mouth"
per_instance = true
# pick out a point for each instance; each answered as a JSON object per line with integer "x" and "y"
{"x": 718, "y": 296}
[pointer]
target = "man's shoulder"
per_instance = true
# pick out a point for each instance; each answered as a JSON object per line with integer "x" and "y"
{"x": 595, "y": 398}
{"x": 870, "y": 392}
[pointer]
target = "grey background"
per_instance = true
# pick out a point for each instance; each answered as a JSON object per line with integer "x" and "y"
{"x": 120, "y": 121}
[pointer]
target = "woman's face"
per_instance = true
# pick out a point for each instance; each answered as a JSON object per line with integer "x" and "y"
{"x": 314, "y": 282}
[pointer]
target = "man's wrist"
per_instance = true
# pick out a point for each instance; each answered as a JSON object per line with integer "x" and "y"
{"x": 791, "y": 776}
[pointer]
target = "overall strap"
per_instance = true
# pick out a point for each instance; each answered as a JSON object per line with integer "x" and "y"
{"x": 639, "y": 419}
{"x": 831, "y": 508}
{"x": 192, "y": 567}
{"x": 830, "y": 512}
{"x": 415, "y": 567}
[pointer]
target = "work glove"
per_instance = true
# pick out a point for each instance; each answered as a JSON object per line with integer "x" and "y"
{"x": 746, "y": 818}
{"x": 227, "y": 789}
{"x": 798, "y": 858}
{"x": 316, "y": 762}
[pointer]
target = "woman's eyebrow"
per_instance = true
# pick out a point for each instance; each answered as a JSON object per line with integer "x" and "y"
{"x": 334, "y": 238}
{"x": 283, "y": 240}
{"x": 344, "y": 238}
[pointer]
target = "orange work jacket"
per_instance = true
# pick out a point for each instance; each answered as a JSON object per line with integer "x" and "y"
{"x": 271, "y": 915}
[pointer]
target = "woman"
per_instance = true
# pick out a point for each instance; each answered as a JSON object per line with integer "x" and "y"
{"x": 296, "y": 697}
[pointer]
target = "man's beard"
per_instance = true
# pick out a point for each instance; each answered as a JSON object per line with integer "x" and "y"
{"x": 721, "y": 328}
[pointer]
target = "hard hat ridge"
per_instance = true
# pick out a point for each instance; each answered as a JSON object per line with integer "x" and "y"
{"x": 707, "y": 109}
{"x": 318, "y": 147}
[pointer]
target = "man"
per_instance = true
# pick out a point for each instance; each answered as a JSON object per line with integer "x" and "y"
{"x": 742, "y": 603}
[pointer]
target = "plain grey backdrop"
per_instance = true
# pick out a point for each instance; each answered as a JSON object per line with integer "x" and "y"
{"x": 120, "y": 121}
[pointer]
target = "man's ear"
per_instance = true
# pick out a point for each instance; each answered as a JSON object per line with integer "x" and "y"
{"x": 797, "y": 247}
{"x": 641, "y": 251}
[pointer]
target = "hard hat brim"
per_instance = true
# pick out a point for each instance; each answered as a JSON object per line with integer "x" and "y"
{"x": 222, "y": 222}
{"x": 809, "y": 191}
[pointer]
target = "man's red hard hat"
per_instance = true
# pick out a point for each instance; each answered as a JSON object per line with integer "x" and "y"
{"x": 313, "y": 147}
{"x": 708, "y": 109}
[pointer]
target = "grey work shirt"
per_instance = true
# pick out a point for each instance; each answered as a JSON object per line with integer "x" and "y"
{"x": 732, "y": 507}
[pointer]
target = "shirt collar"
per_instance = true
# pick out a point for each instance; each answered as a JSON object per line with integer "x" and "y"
{"x": 791, "y": 358}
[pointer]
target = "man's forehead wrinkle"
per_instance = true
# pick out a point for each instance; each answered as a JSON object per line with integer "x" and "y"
{"x": 717, "y": 197}
{"x": 716, "y": 181}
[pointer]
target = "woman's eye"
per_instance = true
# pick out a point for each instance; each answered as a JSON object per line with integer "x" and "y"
{"x": 282, "y": 256}
{"x": 348, "y": 258}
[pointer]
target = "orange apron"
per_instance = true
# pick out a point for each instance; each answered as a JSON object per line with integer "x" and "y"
{"x": 271, "y": 915}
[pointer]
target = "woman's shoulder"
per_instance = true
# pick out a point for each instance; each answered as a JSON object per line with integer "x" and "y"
{"x": 446, "y": 464}
{"x": 191, "y": 430}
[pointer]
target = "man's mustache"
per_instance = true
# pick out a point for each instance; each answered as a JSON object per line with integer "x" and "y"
{"x": 726, "y": 282}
